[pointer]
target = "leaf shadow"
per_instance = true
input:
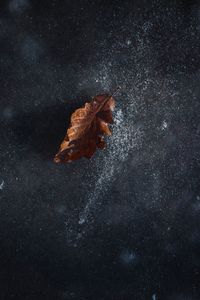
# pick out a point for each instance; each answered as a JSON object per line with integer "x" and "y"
{"x": 42, "y": 131}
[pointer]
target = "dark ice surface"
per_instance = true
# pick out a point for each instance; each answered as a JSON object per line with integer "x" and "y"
{"x": 124, "y": 225}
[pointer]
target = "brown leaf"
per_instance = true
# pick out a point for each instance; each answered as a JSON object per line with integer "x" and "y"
{"x": 85, "y": 133}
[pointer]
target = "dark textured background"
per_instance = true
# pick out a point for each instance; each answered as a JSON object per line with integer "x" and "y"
{"x": 124, "y": 225}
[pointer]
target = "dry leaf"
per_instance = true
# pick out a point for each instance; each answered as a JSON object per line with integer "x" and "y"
{"x": 85, "y": 133}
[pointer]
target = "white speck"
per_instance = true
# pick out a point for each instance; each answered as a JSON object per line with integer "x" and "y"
{"x": 198, "y": 197}
{"x": 154, "y": 297}
{"x": 127, "y": 257}
{"x": 2, "y": 185}
{"x": 164, "y": 125}
{"x": 97, "y": 80}
{"x": 81, "y": 220}
{"x": 128, "y": 42}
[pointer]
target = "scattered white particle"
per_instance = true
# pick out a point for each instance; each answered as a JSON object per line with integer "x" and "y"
{"x": 97, "y": 80}
{"x": 127, "y": 257}
{"x": 128, "y": 42}
{"x": 81, "y": 220}
{"x": 164, "y": 125}
{"x": 154, "y": 297}
{"x": 198, "y": 197}
{"x": 2, "y": 185}
{"x": 120, "y": 143}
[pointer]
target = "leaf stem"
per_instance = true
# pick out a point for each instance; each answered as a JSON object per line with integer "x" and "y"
{"x": 106, "y": 99}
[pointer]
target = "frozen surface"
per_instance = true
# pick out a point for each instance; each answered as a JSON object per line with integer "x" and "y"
{"x": 125, "y": 224}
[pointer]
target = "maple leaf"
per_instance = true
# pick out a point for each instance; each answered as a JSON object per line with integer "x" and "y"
{"x": 86, "y": 130}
